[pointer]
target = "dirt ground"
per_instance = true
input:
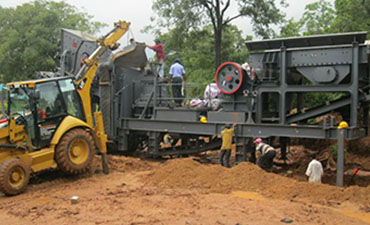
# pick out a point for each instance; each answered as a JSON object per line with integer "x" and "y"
{"x": 182, "y": 191}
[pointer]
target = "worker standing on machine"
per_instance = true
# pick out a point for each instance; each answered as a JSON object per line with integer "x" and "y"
{"x": 266, "y": 154}
{"x": 177, "y": 72}
{"x": 161, "y": 58}
{"x": 227, "y": 140}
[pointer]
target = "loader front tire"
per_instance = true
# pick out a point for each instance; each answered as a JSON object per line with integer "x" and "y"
{"x": 14, "y": 176}
{"x": 75, "y": 151}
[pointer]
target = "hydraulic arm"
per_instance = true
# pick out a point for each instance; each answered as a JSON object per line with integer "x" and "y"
{"x": 84, "y": 80}
{"x": 87, "y": 73}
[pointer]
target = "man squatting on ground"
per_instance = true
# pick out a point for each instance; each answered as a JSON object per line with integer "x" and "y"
{"x": 177, "y": 73}
{"x": 314, "y": 170}
{"x": 158, "y": 48}
{"x": 227, "y": 140}
{"x": 266, "y": 154}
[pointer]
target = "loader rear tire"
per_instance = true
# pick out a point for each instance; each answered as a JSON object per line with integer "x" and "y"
{"x": 14, "y": 176}
{"x": 75, "y": 151}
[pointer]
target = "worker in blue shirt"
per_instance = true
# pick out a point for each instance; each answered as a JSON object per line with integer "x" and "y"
{"x": 177, "y": 73}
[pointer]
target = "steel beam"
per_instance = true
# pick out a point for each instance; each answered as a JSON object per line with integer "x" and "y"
{"x": 355, "y": 84}
{"x": 319, "y": 110}
{"x": 242, "y": 130}
{"x": 307, "y": 89}
{"x": 283, "y": 85}
{"x": 314, "y": 40}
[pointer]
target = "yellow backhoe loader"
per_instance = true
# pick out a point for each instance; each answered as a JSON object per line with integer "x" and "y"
{"x": 51, "y": 123}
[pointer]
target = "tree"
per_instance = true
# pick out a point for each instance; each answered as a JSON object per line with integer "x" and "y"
{"x": 187, "y": 15}
{"x": 30, "y": 36}
{"x": 291, "y": 28}
{"x": 318, "y": 18}
{"x": 352, "y": 15}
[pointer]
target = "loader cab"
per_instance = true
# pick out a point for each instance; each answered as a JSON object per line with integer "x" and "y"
{"x": 44, "y": 106}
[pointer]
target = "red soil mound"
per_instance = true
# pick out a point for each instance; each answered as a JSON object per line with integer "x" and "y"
{"x": 127, "y": 164}
{"x": 187, "y": 173}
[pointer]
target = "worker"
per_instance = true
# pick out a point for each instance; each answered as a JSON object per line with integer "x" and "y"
{"x": 177, "y": 73}
{"x": 314, "y": 170}
{"x": 132, "y": 41}
{"x": 41, "y": 114}
{"x": 161, "y": 58}
{"x": 266, "y": 154}
{"x": 227, "y": 139}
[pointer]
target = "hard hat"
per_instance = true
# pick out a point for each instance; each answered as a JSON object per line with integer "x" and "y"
{"x": 342, "y": 125}
{"x": 203, "y": 119}
{"x": 157, "y": 40}
{"x": 258, "y": 140}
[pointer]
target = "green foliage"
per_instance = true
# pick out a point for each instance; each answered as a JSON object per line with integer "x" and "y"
{"x": 334, "y": 151}
{"x": 318, "y": 18}
{"x": 234, "y": 49}
{"x": 5, "y": 107}
{"x": 291, "y": 28}
{"x": 352, "y": 15}
{"x": 30, "y": 36}
{"x": 312, "y": 100}
{"x": 193, "y": 15}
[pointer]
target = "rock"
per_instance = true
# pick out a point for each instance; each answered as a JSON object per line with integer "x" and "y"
{"x": 74, "y": 199}
{"x": 286, "y": 220}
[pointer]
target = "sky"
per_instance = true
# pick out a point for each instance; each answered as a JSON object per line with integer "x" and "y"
{"x": 138, "y": 12}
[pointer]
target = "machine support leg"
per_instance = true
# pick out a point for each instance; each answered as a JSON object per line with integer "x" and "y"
{"x": 366, "y": 119}
{"x": 283, "y": 145}
{"x": 340, "y": 158}
{"x": 240, "y": 150}
{"x": 153, "y": 142}
{"x": 245, "y": 151}
{"x": 251, "y": 151}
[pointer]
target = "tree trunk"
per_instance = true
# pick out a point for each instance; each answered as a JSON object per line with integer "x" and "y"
{"x": 218, "y": 43}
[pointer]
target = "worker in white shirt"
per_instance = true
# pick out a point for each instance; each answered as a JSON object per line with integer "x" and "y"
{"x": 266, "y": 154}
{"x": 177, "y": 73}
{"x": 314, "y": 170}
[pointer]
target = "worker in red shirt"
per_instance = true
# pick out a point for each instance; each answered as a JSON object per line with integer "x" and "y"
{"x": 161, "y": 58}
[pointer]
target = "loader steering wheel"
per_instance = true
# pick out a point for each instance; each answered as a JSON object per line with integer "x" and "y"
{"x": 20, "y": 119}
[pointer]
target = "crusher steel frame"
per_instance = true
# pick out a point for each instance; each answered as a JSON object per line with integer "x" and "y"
{"x": 268, "y": 98}
{"x": 260, "y": 101}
